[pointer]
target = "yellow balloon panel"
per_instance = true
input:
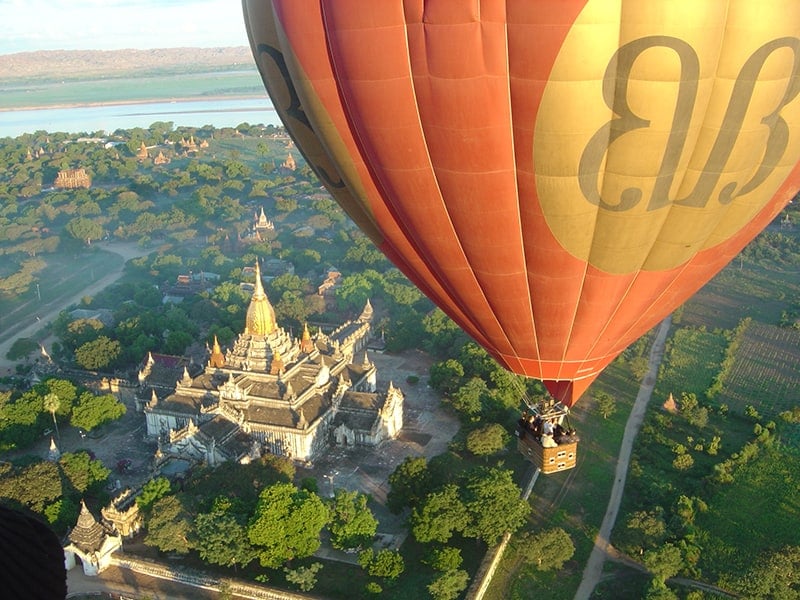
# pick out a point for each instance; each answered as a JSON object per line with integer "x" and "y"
{"x": 683, "y": 130}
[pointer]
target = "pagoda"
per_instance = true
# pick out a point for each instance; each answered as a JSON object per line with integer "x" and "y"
{"x": 91, "y": 543}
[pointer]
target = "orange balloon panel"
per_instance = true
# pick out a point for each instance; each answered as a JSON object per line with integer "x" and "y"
{"x": 557, "y": 175}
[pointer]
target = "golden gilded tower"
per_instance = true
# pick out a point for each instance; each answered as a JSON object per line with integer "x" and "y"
{"x": 260, "y": 318}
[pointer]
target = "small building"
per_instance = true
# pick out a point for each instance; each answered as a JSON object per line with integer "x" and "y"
{"x": 333, "y": 280}
{"x": 72, "y": 178}
{"x": 262, "y": 223}
{"x": 289, "y": 164}
{"x": 91, "y": 543}
{"x": 123, "y": 514}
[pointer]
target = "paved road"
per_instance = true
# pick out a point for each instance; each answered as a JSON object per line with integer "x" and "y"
{"x": 132, "y": 585}
{"x": 594, "y": 567}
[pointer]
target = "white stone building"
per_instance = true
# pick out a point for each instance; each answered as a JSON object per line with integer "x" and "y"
{"x": 271, "y": 392}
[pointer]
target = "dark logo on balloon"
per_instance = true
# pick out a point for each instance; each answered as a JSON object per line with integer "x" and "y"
{"x": 287, "y": 103}
{"x": 650, "y": 150}
{"x": 615, "y": 95}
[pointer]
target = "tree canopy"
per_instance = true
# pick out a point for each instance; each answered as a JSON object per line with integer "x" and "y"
{"x": 286, "y": 524}
{"x": 352, "y": 522}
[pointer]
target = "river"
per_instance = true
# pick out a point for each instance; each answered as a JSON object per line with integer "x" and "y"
{"x": 110, "y": 117}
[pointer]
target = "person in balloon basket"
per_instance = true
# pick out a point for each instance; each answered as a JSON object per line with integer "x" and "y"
{"x": 548, "y": 429}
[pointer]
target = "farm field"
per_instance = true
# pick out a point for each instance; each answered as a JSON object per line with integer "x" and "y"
{"x": 766, "y": 371}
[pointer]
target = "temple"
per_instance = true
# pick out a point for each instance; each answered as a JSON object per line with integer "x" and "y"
{"x": 72, "y": 178}
{"x": 91, "y": 544}
{"x": 270, "y": 392}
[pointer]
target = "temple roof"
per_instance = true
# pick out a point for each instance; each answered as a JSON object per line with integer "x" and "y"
{"x": 283, "y": 416}
{"x": 362, "y": 400}
{"x": 88, "y": 534}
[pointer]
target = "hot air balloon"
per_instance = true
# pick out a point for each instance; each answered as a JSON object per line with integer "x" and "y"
{"x": 556, "y": 175}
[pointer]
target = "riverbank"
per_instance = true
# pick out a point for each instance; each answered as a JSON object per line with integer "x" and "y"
{"x": 138, "y": 101}
{"x": 103, "y": 118}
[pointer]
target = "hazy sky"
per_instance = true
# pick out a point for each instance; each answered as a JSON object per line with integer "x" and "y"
{"x": 27, "y": 25}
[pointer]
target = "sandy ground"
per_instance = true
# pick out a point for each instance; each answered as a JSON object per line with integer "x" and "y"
{"x": 35, "y": 329}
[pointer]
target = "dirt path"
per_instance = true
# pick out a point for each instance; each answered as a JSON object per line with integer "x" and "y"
{"x": 594, "y": 567}
{"x": 34, "y": 330}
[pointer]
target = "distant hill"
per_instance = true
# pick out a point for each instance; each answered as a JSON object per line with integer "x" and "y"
{"x": 93, "y": 64}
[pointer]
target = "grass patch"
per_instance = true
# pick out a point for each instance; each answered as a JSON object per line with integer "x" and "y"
{"x": 756, "y": 291}
{"x": 65, "y": 276}
{"x": 691, "y": 360}
{"x": 758, "y": 513}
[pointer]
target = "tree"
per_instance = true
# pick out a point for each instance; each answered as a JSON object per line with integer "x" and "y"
{"x": 439, "y": 515}
{"x": 84, "y": 229}
{"x": 606, "y": 405}
{"x": 658, "y": 590}
{"x": 176, "y": 342}
{"x": 443, "y": 333}
{"x": 410, "y": 482}
{"x": 20, "y": 419}
{"x": 21, "y": 348}
{"x": 98, "y": 353}
{"x": 305, "y": 578}
{"x": 548, "y": 550}
{"x": 640, "y": 366}
{"x": 470, "y": 397}
{"x": 222, "y": 540}
{"x": 444, "y": 559}
{"x": 51, "y": 404}
{"x": 354, "y": 291}
{"x": 83, "y": 472}
{"x": 683, "y": 462}
{"x": 386, "y": 563}
{"x": 34, "y": 486}
{"x": 62, "y": 513}
{"x": 170, "y": 526}
{"x": 493, "y": 503}
{"x": 152, "y": 491}
{"x": 449, "y": 585}
{"x": 647, "y": 528}
{"x": 664, "y": 562}
{"x": 93, "y": 411}
{"x": 66, "y": 391}
{"x": 487, "y": 440}
{"x": 446, "y": 377}
{"x": 286, "y": 524}
{"x": 352, "y": 522}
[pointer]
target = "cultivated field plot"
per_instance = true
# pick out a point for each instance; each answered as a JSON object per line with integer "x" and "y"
{"x": 766, "y": 371}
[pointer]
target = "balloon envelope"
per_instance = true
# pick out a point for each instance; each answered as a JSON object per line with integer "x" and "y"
{"x": 557, "y": 175}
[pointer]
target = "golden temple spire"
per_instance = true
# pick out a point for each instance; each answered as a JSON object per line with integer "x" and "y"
{"x": 217, "y": 358}
{"x": 306, "y": 344}
{"x": 260, "y": 318}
